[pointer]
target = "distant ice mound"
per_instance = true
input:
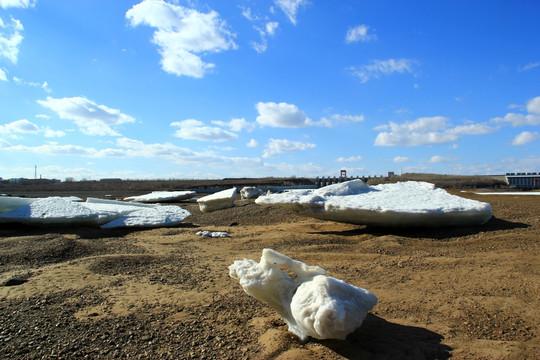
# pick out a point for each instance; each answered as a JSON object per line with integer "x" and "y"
{"x": 402, "y": 204}
{"x": 312, "y": 305}
{"x": 162, "y": 196}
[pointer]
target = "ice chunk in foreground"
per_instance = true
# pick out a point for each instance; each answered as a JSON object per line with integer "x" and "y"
{"x": 52, "y": 211}
{"x": 409, "y": 203}
{"x": 162, "y": 196}
{"x": 150, "y": 217}
{"x": 8, "y": 203}
{"x": 220, "y": 200}
{"x": 312, "y": 305}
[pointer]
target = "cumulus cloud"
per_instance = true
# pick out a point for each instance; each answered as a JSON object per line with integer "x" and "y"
{"x": 196, "y": 130}
{"x": 423, "y": 131}
{"x": 377, "y": 68}
{"x": 91, "y": 118}
{"x": 53, "y": 133}
{"x": 252, "y": 143}
{"x": 359, "y": 33}
{"x": 182, "y": 35}
{"x": 441, "y": 159}
{"x": 290, "y": 8}
{"x": 281, "y": 115}
{"x": 350, "y": 159}
{"x": 3, "y": 76}
{"x": 10, "y": 39}
{"x": 426, "y": 131}
{"x": 532, "y": 118}
{"x": 525, "y": 137}
{"x": 401, "y": 159}
{"x": 17, "y": 3}
{"x": 236, "y": 125}
{"x": 280, "y": 146}
{"x": 19, "y": 127}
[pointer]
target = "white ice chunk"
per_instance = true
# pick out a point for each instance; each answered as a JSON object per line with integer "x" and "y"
{"x": 213, "y": 234}
{"x": 150, "y": 217}
{"x": 250, "y": 192}
{"x": 162, "y": 196}
{"x": 312, "y": 305}
{"x": 409, "y": 203}
{"x": 52, "y": 211}
{"x": 219, "y": 200}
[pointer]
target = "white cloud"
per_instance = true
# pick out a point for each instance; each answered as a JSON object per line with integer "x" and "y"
{"x": 441, "y": 159}
{"x": 525, "y": 137}
{"x": 350, "y": 159}
{"x": 473, "y": 129}
{"x": 280, "y": 146}
{"x": 17, "y": 3}
{"x": 55, "y": 149}
{"x": 19, "y": 127}
{"x": 401, "y": 159}
{"x": 359, "y": 33}
{"x": 4, "y": 144}
{"x": 91, "y": 118}
{"x": 196, "y": 130}
{"x": 182, "y": 35}
{"x": 377, "y": 68}
{"x": 337, "y": 118}
{"x": 281, "y": 115}
{"x": 290, "y": 7}
{"x": 529, "y": 66}
{"x": 53, "y": 133}
{"x": 271, "y": 27}
{"x": 531, "y": 119}
{"x": 252, "y": 143}
{"x": 236, "y": 125}
{"x": 44, "y": 85}
{"x": 423, "y": 131}
{"x": 3, "y": 76}
{"x": 10, "y": 39}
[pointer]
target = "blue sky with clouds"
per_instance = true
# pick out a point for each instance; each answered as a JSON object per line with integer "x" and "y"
{"x": 211, "y": 89}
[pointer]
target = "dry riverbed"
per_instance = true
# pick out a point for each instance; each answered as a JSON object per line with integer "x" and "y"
{"x": 466, "y": 293}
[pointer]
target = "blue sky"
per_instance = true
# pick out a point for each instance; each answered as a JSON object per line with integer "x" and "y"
{"x": 210, "y": 89}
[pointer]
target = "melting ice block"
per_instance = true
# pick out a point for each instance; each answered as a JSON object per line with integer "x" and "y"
{"x": 162, "y": 196}
{"x": 150, "y": 217}
{"x": 220, "y": 200}
{"x": 312, "y": 305}
{"x": 250, "y": 192}
{"x": 409, "y": 203}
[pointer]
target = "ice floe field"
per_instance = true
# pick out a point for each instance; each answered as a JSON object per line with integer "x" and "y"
{"x": 164, "y": 290}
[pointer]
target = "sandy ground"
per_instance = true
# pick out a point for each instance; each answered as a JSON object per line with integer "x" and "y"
{"x": 465, "y": 293}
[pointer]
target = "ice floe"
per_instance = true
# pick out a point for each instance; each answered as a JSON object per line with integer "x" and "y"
{"x": 217, "y": 201}
{"x": 94, "y": 212}
{"x": 313, "y": 305}
{"x": 250, "y": 192}
{"x": 162, "y": 196}
{"x": 213, "y": 234}
{"x": 409, "y": 203}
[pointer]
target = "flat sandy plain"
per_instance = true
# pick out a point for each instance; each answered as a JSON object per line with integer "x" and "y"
{"x": 465, "y": 293}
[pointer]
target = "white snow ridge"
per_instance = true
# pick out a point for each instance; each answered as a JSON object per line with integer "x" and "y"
{"x": 402, "y": 204}
{"x": 314, "y": 305}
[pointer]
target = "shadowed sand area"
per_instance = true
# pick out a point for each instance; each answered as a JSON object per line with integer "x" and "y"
{"x": 466, "y": 293}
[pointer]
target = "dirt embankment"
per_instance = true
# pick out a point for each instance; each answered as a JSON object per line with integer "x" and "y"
{"x": 467, "y": 293}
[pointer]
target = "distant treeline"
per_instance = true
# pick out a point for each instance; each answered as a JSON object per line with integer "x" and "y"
{"x": 45, "y": 185}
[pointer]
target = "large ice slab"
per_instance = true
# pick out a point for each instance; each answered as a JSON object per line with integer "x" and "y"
{"x": 250, "y": 192}
{"x": 162, "y": 196}
{"x": 219, "y": 200}
{"x": 52, "y": 211}
{"x": 312, "y": 305}
{"x": 94, "y": 212}
{"x": 150, "y": 217}
{"x": 402, "y": 204}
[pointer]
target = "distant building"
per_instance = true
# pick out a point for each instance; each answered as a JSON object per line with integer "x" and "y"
{"x": 524, "y": 180}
